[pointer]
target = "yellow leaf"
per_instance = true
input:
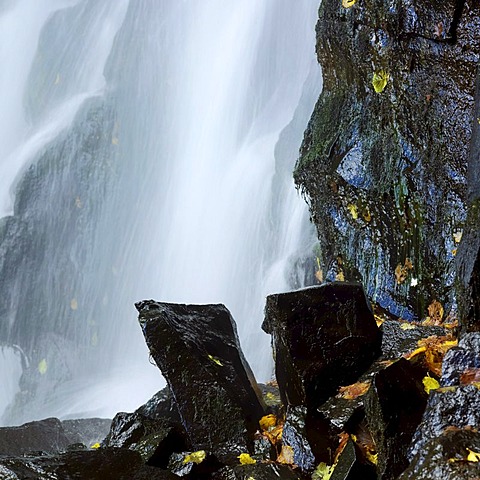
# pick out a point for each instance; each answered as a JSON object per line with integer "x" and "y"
{"x": 473, "y": 456}
{"x": 323, "y": 472}
{"x": 42, "y": 366}
{"x": 415, "y": 352}
{"x": 95, "y": 446}
{"x": 430, "y": 384}
{"x": 372, "y": 457}
{"x": 348, "y": 3}
{"x": 380, "y": 80}
{"x": 246, "y": 459}
{"x": 195, "y": 457}
{"x": 73, "y": 304}
{"x": 407, "y": 326}
{"x": 457, "y": 236}
{"x": 286, "y": 455}
{"x": 215, "y": 360}
{"x": 267, "y": 421}
{"x": 353, "y": 210}
{"x": 319, "y": 276}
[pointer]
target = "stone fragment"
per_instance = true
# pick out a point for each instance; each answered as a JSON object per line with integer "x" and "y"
{"x": 46, "y": 436}
{"x": 457, "y": 408}
{"x": 323, "y": 337}
{"x": 351, "y": 465}
{"x": 155, "y": 440}
{"x": 295, "y": 436}
{"x": 446, "y": 458}
{"x": 197, "y": 349}
{"x": 397, "y": 341}
{"x": 394, "y": 406}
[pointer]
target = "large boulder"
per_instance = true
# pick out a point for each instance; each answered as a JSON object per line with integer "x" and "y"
{"x": 323, "y": 337}
{"x": 197, "y": 349}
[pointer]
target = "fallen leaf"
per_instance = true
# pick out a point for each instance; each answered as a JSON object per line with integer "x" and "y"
{"x": 470, "y": 375}
{"x": 73, "y": 304}
{"x": 42, "y": 366}
{"x": 344, "y": 437}
{"x": 473, "y": 456}
{"x": 457, "y": 236}
{"x": 380, "y": 80}
{"x": 430, "y": 384}
{"x": 95, "y": 446}
{"x": 215, "y": 360}
{"x": 319, "y": 276}
{"x": 267, "y": 422}
{"x": 348, "y": 3}
{"x": 286, "y": 455}
{"x": 435, "y": 349}
{"x": 195, "y": 457}
{"x": 402, "y": 271}
{"x": 407, "y": 326}
{"x": 435, "y": 312}
{"x": 340, "y": 277}
{"x": 350, "y": 392}
{"x": 353, "y": 210}
{"x": 372, "y": 457}
{"x": 246, "y": 459}
{"x": 323, "y": 472}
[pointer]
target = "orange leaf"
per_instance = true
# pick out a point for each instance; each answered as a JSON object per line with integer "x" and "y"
{"x": 471, "y": 375}
{"x": 351, "y": 392}
{"x": 286, "y": 455}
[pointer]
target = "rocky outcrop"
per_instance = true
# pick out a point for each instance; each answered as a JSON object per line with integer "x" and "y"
{"x": 197, "y": 349}
{"x": 384, "y": 158}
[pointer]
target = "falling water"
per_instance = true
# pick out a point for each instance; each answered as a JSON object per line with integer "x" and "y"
{"x": 146, "y": 151}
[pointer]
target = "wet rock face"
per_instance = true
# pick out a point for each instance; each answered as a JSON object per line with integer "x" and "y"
{"x": 446, "y": 458}
{"x": 393, "y": 407}
{"x": 323, "y": 337}
{"x": 385, "y": 173}
{"x": 351, "y": 466}
{"x": 197, "y": 349}
{"x": 259, "y": 471}
{"x": 457, "y": 408}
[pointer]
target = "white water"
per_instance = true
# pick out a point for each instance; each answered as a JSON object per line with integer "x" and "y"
{"x": 202, "y": 208}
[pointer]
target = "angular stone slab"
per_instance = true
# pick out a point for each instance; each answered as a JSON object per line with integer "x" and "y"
{"x": 323, "y": 337}
{"x": 394, "y": 406}
{"x": 197, "y": 349}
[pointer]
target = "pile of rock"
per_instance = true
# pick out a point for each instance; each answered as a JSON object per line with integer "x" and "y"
{"x": 350, "y": 401}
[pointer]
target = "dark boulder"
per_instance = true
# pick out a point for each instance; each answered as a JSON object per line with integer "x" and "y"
{"x": 323, "y": 337}
{"x": 197, "y": 349}
{"x": 47, "y": 436}
{"x": 394, "y": 406}
{"x": 154, "y": 439}
{"x": 456, "y": 407}
{"x": 446, "y": 458}
{"x": 102, "y": 464}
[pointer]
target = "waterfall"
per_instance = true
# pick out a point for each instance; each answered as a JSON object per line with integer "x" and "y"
{"x": 146, "y": 151}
